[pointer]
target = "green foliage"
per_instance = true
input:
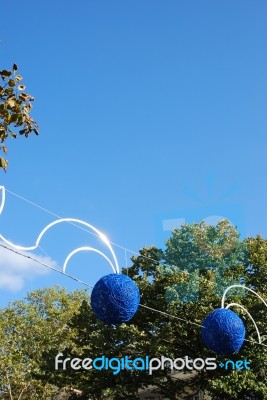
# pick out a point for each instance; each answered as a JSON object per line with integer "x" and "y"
{"x": 194, "y": 250}
{"x": 15, "y": 107}
{"x": 201, "y": 249}
{"x": 27, "y": 329}
{"x": 164, "y": 279}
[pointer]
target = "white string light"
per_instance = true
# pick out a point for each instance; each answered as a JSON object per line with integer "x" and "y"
{"x": 240, "y": 306}
{"x": 243, "y": 308}
{"x": 105, "y": 240}
{"x": 86, "y": 248}
{"x": 90, "y": 286}
{"x": 59, "y": 221}
{"x": 243, "y": 287}
{"x": 72, "y": 223}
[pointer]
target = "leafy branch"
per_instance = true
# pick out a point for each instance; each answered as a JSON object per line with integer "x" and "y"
{"x": 15, "y": 107}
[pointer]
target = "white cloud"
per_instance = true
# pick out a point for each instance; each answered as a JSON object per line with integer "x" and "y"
{"x": 16, "y": 270}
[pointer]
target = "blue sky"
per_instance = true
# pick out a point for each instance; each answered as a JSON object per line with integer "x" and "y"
{"x": 149, "y": 112}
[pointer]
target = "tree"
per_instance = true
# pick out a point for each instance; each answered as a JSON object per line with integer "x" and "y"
{"x": 184, "y": 281}
{"x": 51, "y": 321}
{"x": 15, "y": 107}
{"x": 27, "y": 329}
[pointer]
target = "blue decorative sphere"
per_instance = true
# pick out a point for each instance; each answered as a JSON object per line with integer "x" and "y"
{"x": 223, "y": 332}
{"x": 115, "y": 298}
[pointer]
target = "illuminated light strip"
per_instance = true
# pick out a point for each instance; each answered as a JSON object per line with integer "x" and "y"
{"x": 3, "y": 199}
{"x": 243, "y": 308}
{"x": 244, "y": 287}
{"x": 239, "y": 305}
{"x": 71, "y": 220}
{"x": 87, "y": 249}
{"x": 86, "y": 284}
{"x": 115, "y": 269}
{"x": 85, "y": 230}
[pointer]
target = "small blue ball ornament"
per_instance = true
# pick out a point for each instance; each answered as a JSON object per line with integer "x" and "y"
{"x": 115, "y": 298}
{"x": 223, "y": 332}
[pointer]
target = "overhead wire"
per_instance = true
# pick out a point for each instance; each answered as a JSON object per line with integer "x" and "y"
{"x": 82, "y": 282}
{"x": 78, "y": 226}
{"x": 79, "y": 280}
{"x": 91, "y": 287}
{"x": 46, "y": 265}
{"x": 90, "y": 232}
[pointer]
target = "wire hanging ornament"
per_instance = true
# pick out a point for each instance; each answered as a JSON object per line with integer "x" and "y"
{"x": 115, "y": 297}
{"x": 223, "y": 330}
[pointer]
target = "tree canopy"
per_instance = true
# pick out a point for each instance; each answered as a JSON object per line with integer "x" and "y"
{"x": 184, "y": 282}
{"x": 27, "y": 329}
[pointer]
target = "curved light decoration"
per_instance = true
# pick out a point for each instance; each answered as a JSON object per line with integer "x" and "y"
{"x": 87, "y": 249}
{"x": 252, "y": 319}
{"x": 240, "y": 306}
{"x": 114, "y": 266}
{"x": 2, "y": 199}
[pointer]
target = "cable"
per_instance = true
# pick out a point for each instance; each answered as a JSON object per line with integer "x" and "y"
{"x": 239, "y": 305}
{"x": 173, "y": 316}
{"x": 261, "y": 344}
{"x": 77, "y": 226}
{"x": 97, "y": 234}
{"x": 70, "y": 221}
{"x": 32, "y": 203}
{"x": 46, "y": 265}
{"x": 86, "y": 284}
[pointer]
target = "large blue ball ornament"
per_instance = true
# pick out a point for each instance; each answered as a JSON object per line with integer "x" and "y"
{"x": 115, "y": 298}
{"x": 223, "y": 332}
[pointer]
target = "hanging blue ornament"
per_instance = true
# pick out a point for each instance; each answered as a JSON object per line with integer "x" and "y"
{"x": 115, "y": 298}
{"x": 223, "y": 332}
